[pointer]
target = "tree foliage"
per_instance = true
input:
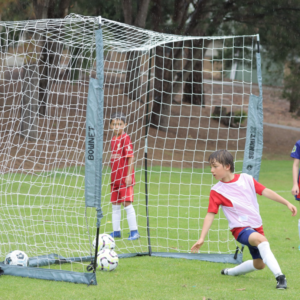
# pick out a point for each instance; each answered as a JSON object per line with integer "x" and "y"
{"x": 291, "y": 89}
{"x": 277, "y": 22}
{"x": 14, "y": 10}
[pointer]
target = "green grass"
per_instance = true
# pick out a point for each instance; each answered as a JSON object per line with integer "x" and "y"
{"x": 166, "y": 278}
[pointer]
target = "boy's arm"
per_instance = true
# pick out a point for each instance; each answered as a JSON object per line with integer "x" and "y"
{"x": 128, "y": 179}
{"x": 206, "y": 225}
{"x": 295, "y": 189}
{"x": 275, "y": 197}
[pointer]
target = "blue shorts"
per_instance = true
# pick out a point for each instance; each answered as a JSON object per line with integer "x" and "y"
{"x": 243, "y": 238}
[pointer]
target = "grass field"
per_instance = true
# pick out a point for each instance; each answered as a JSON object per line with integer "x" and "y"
{"x": 166, "y": 278}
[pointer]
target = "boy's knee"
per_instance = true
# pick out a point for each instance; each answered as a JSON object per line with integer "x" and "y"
{"x": 256, "y": 238}
{"x": 262, "y": 239}
{"x": 258, "y": 264}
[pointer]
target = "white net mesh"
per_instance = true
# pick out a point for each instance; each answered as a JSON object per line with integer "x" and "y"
{"x": 45, "y": 69}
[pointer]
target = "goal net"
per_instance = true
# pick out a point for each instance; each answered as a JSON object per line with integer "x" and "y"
{"x": 183, "y": 97}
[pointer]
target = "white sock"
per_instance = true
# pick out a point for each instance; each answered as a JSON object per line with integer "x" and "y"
{"x": 243, "y": 268}
{"x": 269, "y": 258}
{"x": 131, "y": 218}
{"x": 116, "y": 217}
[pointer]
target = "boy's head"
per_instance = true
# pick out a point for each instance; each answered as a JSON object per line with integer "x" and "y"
{"x": 118, "y": 123}
{"x": 118, "y": 115}
{"x": 222, "y": 157}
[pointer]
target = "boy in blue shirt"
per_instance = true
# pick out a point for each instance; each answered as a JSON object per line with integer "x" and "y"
{"x": 295, "y": 154}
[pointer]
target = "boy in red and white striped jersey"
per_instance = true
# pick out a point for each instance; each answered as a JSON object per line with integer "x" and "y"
{"x": 236, "y": 194}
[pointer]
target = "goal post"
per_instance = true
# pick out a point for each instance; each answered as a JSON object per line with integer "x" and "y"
{"x": 183, "y": 97}
{"x": 94, "y": 140}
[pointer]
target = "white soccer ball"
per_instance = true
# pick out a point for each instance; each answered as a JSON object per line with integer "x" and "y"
{"x": 105, "y": 242}
{"x": 17, "y": 258}
{"x": 107, "y": 260}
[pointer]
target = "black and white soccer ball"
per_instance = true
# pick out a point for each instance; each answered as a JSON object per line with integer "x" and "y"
{"x": 107, "y": 260}
{"x": 105, "y": 242}
{"x": 17, "y": 258}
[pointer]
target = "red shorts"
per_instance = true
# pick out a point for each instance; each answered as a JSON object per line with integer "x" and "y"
{"x": 121, "y": 194}
{"x": 236, "y": 231}
{"x": 297, "y": 197}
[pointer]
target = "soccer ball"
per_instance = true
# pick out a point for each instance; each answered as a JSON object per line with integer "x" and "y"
{"x": 105, "y": 242}
{"x": 17, "y": 258}
{"x": 107, "y": 260}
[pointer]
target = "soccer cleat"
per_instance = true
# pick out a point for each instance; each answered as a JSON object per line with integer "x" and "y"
{"x": 224, "y": 272}
{"x": 115, "y": 234}
{"x": 281, "y": 282}
{"x": 133, "y": 235}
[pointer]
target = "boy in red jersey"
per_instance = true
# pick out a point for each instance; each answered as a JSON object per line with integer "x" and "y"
{"x": 236, "y": 194}
{"x": 122, "y": 177}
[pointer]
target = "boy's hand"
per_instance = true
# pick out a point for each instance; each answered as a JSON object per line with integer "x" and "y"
{"x": 128, "y": 180}
{"x": 292, "y": 208}
{"x": 197, "y": 246}
{"x": 295, "y": 190}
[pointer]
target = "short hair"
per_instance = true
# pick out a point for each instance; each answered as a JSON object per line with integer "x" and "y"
{"x": 222, "y": 157}
{"x": 118, "y": 115}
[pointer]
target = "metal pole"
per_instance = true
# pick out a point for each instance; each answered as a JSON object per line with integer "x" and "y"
{"x": 98, "y": 227}
{"x": 146, "y": 150}
{"x": 257, "y": 42}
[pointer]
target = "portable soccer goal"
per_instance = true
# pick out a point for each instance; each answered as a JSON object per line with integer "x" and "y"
{"x": 184, "y": 97}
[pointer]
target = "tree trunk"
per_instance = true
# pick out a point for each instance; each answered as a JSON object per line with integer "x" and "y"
{"x": 163, "y": 92}
{"x": 158, "y": 71}
{"x": 34, "y": 87}
{"x": 159, "y": 51}
{"x": 50, "y": 49}
{"x": 163, "y": 99}
{"x": 180, "y": 14}
{"x": 43, "y": 83}
{"x": 156, "y": 15}
{"x": 133, "y": 81}
{"x": 29, "y": 110}
{"x": 162, "y": 105}
{"x": 40, "y": 8}
{"x": 193, "y": 92}
{"x": 140, "y": 20}
{"x": 127, "y": 11}
{"x": 49, "y": 67}
{"x": 294, "y": 100}
{"x": 55, "y": 51}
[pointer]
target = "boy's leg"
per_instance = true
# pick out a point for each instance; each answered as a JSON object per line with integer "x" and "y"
{"x": 261, "y": 253}
{"x": 299, "y": 231}
{"x": 116, "y": 217}
{"x": 131, "y": 216}
{"x": 249, "y": 265}
{"x": 243, "y": 268}
{"x": 268, "y": 258}
{"x": 256, "y": 239}
{"x": 297, "y": 197}
{"x": 116, "y": 213}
